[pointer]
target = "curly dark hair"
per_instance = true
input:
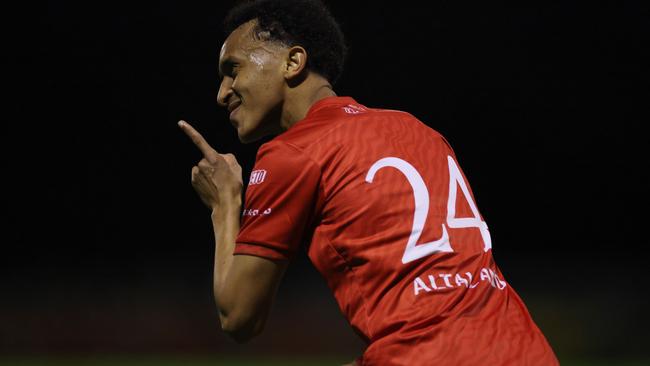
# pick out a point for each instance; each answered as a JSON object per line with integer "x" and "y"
{"x": 306, "y": 23}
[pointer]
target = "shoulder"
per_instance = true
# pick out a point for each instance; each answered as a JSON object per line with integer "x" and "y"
{"x": 278, "y": 147}
{"x": 285, "y": 158}
{"x": 341, "y": 120}
{"x": 345, "y": 123}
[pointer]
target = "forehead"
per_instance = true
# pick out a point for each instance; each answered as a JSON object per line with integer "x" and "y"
{"x": 243, "y": 41}
{"x": 240, "y": 41}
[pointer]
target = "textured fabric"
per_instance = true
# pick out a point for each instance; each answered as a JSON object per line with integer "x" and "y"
{"x": 386, "y": 215}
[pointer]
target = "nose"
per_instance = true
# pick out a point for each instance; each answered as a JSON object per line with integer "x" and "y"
{"x": 225, "y": 91}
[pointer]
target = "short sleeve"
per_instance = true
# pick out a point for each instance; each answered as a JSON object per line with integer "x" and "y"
{"x": 281, "y": 199}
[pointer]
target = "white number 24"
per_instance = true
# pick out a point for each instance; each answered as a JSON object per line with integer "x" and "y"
{"x": 415, "y": 250}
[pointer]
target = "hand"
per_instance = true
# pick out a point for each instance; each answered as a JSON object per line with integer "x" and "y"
{"x": 217, "y": 177}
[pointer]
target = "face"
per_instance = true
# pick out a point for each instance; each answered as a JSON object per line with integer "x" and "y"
{"x": 253, "y": 84}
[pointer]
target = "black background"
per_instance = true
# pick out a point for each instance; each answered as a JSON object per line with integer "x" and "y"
{"x": 106, "y": 243}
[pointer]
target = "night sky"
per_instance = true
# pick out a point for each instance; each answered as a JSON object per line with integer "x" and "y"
{"x": 539, "y": 100}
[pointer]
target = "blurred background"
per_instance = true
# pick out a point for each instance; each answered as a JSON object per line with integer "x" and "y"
{"x": 107, "y": 251}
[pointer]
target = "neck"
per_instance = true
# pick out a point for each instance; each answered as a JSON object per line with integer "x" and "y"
{"x": 302, "y": 97}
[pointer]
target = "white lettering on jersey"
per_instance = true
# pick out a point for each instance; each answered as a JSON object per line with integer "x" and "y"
{"x": 420, "y": 285}
{"x": 256, "y": 212}
{"x": 446, "y": 276}
{"x": 487, "y": 276}
{"x": 432, "y": 281}
{"x": 460, "y": 281}
{"x": 257, "y": 177}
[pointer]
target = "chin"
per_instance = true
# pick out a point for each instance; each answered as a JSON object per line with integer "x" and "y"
{"x": 257, "y": 132}
{"x": 247, "y": 138}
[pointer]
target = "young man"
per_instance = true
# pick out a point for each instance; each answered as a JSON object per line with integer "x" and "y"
{"x": 376, "y": 197}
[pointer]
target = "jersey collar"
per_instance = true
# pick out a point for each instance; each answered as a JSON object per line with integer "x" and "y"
{"x": 329, "y": 102}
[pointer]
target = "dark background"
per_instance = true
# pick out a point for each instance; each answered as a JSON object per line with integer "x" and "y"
{"x": 107, "y": 249}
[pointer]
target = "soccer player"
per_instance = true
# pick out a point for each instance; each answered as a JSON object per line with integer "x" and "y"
{"x": 376, "y": 198}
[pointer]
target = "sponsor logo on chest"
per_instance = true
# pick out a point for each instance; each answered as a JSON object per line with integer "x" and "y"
{"x": 257, "y": 177}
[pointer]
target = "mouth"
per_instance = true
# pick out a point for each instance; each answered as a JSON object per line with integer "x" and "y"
{"x": 232, "y": 108}
{"x": 234, "y": 105}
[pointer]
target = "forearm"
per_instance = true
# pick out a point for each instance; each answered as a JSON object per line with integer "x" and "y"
{"x": 244, "y": 285}
{"x": 225, "y": 223}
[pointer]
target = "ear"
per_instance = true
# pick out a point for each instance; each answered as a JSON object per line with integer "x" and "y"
{"x": 296, "y": 62}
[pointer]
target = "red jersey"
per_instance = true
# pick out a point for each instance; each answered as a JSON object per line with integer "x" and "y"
{"x": 387, "y": 217}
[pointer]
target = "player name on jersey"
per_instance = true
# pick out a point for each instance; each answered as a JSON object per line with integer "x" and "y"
{"x": 447, "y": 280}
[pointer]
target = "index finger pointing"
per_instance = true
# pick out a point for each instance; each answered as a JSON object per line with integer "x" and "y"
{"x": 197, "y": 139}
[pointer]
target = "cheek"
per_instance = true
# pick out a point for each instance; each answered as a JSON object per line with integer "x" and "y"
{"x": 273, "y": 85}
{"x": 265, "y": 93}
{"x": 271, "y": 75}
{"x": 261, "y": 91}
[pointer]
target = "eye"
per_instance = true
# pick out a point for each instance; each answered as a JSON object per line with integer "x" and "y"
{"x": 232, "y": 70}
{"x": 229, "y": 69}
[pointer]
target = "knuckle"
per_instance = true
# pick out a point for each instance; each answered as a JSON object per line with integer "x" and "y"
{"x": 229, "y": 158}
{"x": 204, "y": 164}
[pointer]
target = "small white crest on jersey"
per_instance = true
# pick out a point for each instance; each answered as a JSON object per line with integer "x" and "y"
{"x": 257, "y": 177}
{"x": 353, "y": 109}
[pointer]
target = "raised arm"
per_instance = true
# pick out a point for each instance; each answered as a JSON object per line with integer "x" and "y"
{"x": 244, "y": 286}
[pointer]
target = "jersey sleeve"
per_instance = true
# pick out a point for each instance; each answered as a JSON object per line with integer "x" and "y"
{"x": 281, "y": 199}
